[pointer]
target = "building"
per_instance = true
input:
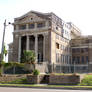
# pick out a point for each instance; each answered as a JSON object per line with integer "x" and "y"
{"x": 49, "y": 36}
{"x": 81, "y": 54}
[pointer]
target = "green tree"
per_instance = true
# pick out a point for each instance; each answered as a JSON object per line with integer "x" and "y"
{"x": 5, "y": 51}
{"x": 29, "y": 59}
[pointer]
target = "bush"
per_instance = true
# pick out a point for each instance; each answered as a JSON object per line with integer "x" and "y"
{"x": 87, "y": 81}
{"x": 36, "y": 72}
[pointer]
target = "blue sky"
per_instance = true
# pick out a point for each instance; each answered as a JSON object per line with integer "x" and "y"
{"x": 77, "y": 11}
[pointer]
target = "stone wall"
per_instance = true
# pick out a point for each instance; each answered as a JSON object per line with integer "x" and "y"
{"x": 9, "y": 78}
{"x": 54, "y": 79}
{"x": 33, "y": 79}
{"x": 64, "y": 79}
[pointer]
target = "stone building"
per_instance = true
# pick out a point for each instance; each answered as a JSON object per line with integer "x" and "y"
{"x": 48, "y": 36}
{"x": 82, "y": 53}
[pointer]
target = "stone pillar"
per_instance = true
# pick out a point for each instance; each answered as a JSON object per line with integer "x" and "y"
{"x": 46, "y": 24}
{"x": 27, "y": 26}
{"x": 35, "y": 25}
{"x": 36, "y": 47}
{"x": 44, "y": 48}
{"x": 27, "y": 43}
{"x": 19, "y": 51}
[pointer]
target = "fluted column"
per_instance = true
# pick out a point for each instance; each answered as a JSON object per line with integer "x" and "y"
{"x": 27, "y": 43}
{"x": 36, "y": 47}
{"x": 19, "y": 51}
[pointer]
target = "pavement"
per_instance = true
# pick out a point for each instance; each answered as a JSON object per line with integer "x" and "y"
{"x": 44, "y": 86}
{"x": 9, "y": 89}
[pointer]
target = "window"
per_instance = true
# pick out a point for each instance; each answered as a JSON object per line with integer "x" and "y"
{"x": 86, "y": 49}
{"x": 49, "y": 23}
{"x": 61, "y": 47}
{"x": 57, "y": 45}
{"x": 56, "y": 28}
{"x": 61, "y": 57}
{"x": 86, "y": 59}
{"x": 14, "y": 27}
{"x": 39, "y": 25}
{"x": 31, "y": 26}
{"x": 73, "y": 60}
{"x": 57, "y": 36}
{"x": 73, "y": 50}
{"x": 78, "y": 60}
{"x": 57, "y": 57}
{"x": 31, "y": 18}
{"x": 82, "y": 59}
{"x": 22, "y": 27}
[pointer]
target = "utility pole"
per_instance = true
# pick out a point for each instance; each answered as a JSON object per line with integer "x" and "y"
{"x": 2, "y": 48}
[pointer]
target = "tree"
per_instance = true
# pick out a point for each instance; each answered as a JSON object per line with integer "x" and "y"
{"x": 5, "y": 52}
{"x": 29, "y": 59}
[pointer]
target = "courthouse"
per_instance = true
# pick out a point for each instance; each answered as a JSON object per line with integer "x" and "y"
{"x": 58, "y": 45}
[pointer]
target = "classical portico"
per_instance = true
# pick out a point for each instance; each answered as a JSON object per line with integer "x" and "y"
{"x": 35, "y": 42}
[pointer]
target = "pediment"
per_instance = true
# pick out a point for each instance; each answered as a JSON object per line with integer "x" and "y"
{"x": 30, "y": 17}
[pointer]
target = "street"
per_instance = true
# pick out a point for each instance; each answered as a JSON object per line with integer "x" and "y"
{"x": 11, "y": 89}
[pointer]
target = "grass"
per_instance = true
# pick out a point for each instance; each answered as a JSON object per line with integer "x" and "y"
{"x": 87, "y": 80}
{"x": 44, "y": 86}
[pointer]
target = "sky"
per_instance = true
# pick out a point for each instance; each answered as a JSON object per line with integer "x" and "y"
{"x": 78, "y": 12}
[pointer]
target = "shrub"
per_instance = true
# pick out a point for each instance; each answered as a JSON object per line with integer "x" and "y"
{"x": 87, "y": 80}
{"x": 36, "y": 72}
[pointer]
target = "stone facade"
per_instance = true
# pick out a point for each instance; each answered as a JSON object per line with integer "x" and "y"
{"x": 48, "y": 36}
{"x": 81, "y": 53}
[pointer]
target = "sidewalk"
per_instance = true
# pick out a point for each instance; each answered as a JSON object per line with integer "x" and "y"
{"x": 45, "y": 86}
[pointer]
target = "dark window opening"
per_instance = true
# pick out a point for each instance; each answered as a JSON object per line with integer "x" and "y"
{"x": 21, "y": 27}
{"x": 39, "y": 25}
{"x": 31, "y": 26}
{"x": 57, "y": 45}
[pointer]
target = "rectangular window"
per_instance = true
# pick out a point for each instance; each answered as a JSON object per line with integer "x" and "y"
{"x": 39, "y": 25}
{"x": 57, "y": 45}
{"x": 78, "y": 60}
{"x": 57, "y": 57}
{"x": 49, "y": 23}
{"x": 31, "y": 26}
{"x": 86, "y": 59}
{"x": 61, "y": 58}
{"x": 14, "y": 27}
{"x": 73, "y": 60}
{"x": 22, "y": 27}
{"x": 82, "y": 59}
{"x": 57, "y": 36}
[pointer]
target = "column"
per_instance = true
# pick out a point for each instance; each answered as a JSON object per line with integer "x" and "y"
{"x": 44, "y": 48}
{"x": 19, "y": 51}
{"x": 27, "y": 43}
{"x": 36, "y": 47}
{"x": 35, "y": 25}
{"x": 27, "y": 26}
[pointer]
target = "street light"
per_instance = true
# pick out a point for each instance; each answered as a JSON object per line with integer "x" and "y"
{"x": 2, "y": 48}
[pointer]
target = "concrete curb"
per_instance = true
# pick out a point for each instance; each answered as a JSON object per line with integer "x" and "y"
{"x": 68, "y": 88}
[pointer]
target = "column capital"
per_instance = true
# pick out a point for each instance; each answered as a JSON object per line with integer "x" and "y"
{"x": 35, "y": 35}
